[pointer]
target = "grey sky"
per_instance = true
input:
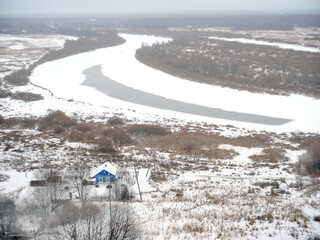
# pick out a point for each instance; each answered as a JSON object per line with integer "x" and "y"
{"x": 89, "y": 6}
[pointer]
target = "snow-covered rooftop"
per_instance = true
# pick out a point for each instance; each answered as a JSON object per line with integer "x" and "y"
{"x": 106, "y": 166}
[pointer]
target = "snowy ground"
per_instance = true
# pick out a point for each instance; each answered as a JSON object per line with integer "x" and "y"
{"x": 18, "y": 52}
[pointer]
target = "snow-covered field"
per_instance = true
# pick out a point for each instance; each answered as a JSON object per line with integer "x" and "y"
{"x": 20, "y": 51}
{"x": 119, "y": 64}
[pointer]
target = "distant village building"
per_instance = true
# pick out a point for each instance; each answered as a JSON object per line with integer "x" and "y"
{"x": 105, "y": 174}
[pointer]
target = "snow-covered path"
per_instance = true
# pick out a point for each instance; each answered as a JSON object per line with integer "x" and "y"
{"x": 65, "y": 76}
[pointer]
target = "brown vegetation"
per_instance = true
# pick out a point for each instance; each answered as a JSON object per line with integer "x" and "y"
{"x": 270, "y": 155}
{"x": 147, "y": 130}
{"x": 4, "y": 93}
{"x": 120, "y": 137}
{"x": 309, "y": 162}
{"x": 18, "y": 78}
{"x": 55, "y": 118}
{"x": 2, "y": 120}
{"x": 105, "y": 145}
{"x": 26, "y": 96}
{"x": 115, "y": 121}
{"x": 84, "y": 44}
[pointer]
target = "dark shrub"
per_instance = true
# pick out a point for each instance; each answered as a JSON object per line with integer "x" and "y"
{"x": 309, "y": 162}
{"x": 4, "y": 94}
{"x": 55, "y": 118}
{"x": 189, "y": 147}
{"x": 18, "y": 78}
{"x": 120, "y": 137}
{"x": 83, "y": 127}
{"x": 76, "y": 136}
{"x": 59, "y": 129}
{"x": 147, "y": 130}
{"x": 12, "y": 121}
{"x": 2, "y": 120}
{"x": 105, "y": 146}
{"x": 107, "y": 132}
{"x": 28, "y": 123}
{"x": 26, "y": 96}
{"x": 115, "y": 121}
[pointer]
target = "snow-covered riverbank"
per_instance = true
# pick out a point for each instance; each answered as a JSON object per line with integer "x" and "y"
{"x": 294, "y": 47}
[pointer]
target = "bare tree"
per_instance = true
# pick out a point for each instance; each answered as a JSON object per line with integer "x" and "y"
{"x": 92, "y": 222}
{"x": 47, "y": 196}
{"x": 41, "y": 197}
{"x": 124, "y": 223}
{"x": 65, "y": 224}
{"x": 7, "y": 217}
{"x": 77, "y": 177}
{"x": 122, "y": 185}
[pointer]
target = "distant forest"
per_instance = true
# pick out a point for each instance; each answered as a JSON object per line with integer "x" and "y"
{"x": 88, "y": 26}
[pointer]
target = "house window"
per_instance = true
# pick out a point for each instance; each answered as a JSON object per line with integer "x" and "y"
{"x": 100, "y": 179}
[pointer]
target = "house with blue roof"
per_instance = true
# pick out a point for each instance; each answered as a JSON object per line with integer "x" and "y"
{"x": 105, "y": 174}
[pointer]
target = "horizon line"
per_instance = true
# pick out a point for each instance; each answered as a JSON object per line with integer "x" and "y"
{"x": 160, "y": 12}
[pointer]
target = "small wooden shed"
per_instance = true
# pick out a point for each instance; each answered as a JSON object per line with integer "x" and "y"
{"x": 104, "y": 174}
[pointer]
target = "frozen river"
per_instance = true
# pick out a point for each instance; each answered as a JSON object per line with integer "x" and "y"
{"x": 123, "y": 82}
{"x": 94, "y": 78}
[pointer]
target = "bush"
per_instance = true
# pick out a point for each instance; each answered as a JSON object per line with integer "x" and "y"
{"x": 8, "y": 217}
{"x": 189, "y": 147}
{"x": 55, "y": 118}
{"x": 309, "y": 162}
{"x": 76, "y": 136}
{"x": 28, "y": 123}
{"x": 120, "y": 137}
{"x": 147, "y": 130}
{"x": 26, "y": 96}
{"x": 12, "y": 122}
{"x": 105, "y": 146}
{"x": 19, "y": 78}
{"x": 83, "y": 127}
{"x": 59, "y": 129}
{"x": 115, "y": 121}
{"x": 4, "y": 94}
{"x": 2, "y": 120}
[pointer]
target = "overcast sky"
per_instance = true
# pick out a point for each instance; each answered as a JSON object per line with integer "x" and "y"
{"x": 91, "y": 6}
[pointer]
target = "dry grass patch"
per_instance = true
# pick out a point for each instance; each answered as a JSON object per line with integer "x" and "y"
{"x": 105, "y": 146}
{"x": 55, "y": 118}
{"x": 309, "y": 162}
{"x": 19, "y": 78}
{"x": 147, "y": 130}
{"x": 4, "y": 93}
{"x": 83, "y": 127}
{"x": 2, "y": 120}
{"x": 270, "y": 155}
{"x": 120, "y": 137}
{"x": 116, "y": 121}
{"x": 26, "y": 96}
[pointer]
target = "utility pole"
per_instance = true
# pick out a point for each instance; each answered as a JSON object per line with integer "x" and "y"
{"x": 135, "y": 172}
{"x": 109, "y": 186}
